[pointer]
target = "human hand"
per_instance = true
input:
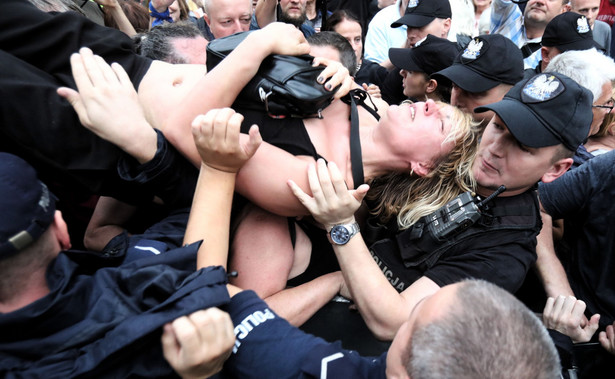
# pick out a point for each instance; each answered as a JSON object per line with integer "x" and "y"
{"x": 107, "y": 104}
{"x": 197, "y": 345}
{"x": 372, "y": 89}
{"x": 331, "y": 203}
{"x": 333, "y": 75}
{"x": 107, "y": 3}
{"x": 607, "y": 338}
{"x": 217, "y": 138}
{"x": 283, "y": 39}
{"x": 565, "y": 314}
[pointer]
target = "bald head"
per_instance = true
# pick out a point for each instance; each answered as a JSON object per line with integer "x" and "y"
{"x": 226, "y": 17}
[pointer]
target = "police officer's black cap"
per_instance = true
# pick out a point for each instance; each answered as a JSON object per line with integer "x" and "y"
{"x": 487, "y": 61}
{"x": 546, "y": 110}
{"x": 569, "y": 31}
{"x": 26, "y": 205}
{"x": 429, "y": 55}
{"x": 421, "y": 12}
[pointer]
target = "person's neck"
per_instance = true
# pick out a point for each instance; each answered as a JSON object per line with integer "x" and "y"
{"x": 484, "y": 191}
{"x": 18, "y": 291}
{"x": 533, "y": 30}
{"x": 606, "y": 143}
{"x": 377, "y": 157}
{"x": 310, "y": 10}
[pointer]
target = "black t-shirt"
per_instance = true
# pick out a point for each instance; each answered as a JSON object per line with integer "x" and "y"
{"x": 289, "y": 133}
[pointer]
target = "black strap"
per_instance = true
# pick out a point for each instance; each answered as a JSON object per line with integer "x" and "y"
{"x": 356, "y": 157}
{"x": 354, "y": 97}
{"x": 529, "y": 48}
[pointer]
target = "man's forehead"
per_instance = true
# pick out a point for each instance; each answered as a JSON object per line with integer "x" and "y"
{"x": 226, "y": 5}
{"x": 578, "y": 4}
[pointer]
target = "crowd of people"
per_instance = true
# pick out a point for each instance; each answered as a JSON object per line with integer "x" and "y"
{"x": 453, "y": 195}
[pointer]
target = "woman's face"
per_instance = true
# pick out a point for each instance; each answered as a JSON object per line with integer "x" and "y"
{"x": 352, "y": 32}
{"x": 481, "y": 4}
{"x": 174, "y": 11}
{"x": 414, "y": 84}
{"x": 417, "y": 131}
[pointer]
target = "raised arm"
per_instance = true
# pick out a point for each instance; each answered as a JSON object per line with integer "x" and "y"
{"x": 216, "y": 136}
{"x": 113, "y": 9}
{"x": 220, "y": 86}
{"x": 265, "y": 12}
{"x": 381, "y": 306}
{"x": 549, "y": 268}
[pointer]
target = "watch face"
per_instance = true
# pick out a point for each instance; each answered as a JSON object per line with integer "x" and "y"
{"x": 340, "y": 235}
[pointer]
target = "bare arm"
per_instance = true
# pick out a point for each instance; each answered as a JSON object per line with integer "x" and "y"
{"x": 113, "y": 8}
{"x": 220, "y": 86}
{"x": 381, "y": 306}
{"x": 216, "y": 136}
{"x": 265, "y": 12}
{"x": 106, "y": 222}
{"x": 548, "y": 265}
{"x": 299, "y": 303}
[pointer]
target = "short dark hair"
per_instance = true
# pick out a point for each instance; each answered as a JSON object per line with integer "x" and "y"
{"x": 157, "y": 43}
{"x": 562, "y": 152}
{"x": 339, "y": 16}
{"x": 341, "y": 44}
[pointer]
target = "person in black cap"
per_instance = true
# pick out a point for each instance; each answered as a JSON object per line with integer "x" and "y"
{"x": 417, "y": 64}
{"x": 567, "y": 31}
{"x": 425, "y": 17}
{"x": 537, "y": 126}
{"x": 482, "y": 73}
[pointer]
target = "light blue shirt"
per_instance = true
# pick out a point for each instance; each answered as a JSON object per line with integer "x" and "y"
{"x": 507, "y": 20}
{"x": 380, "y": 36}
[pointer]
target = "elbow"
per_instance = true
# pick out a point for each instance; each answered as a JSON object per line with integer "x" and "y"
{"x": 383, "y": 330}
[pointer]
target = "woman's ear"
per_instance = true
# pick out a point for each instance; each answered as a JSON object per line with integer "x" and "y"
{"x": 432, "y": 85}
{"x": 421, "y": 169}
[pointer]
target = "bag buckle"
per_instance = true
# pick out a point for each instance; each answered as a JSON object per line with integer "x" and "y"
{"x": 264, "y": 97}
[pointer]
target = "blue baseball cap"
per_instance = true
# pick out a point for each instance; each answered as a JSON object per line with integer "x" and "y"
{"x": 26, "y": 205}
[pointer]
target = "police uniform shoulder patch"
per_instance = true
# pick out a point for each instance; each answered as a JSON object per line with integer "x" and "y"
{"x": 582, "y": 25}
{"x": 541, "y": 88}
{"x": 413, "y": 3}
{"x": 473, "y": 50}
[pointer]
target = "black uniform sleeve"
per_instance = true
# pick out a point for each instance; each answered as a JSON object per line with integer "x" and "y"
{"x": 267, "y": 346}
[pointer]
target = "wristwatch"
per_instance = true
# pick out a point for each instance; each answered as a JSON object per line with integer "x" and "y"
{"x": 341, "y": 234}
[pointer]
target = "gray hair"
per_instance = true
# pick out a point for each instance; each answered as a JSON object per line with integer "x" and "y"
{"x": 487, "y": 334}
{"x": 589, "y": 68}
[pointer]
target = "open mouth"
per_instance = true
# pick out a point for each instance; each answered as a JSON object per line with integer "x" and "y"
{"x": 412, "y": 108}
